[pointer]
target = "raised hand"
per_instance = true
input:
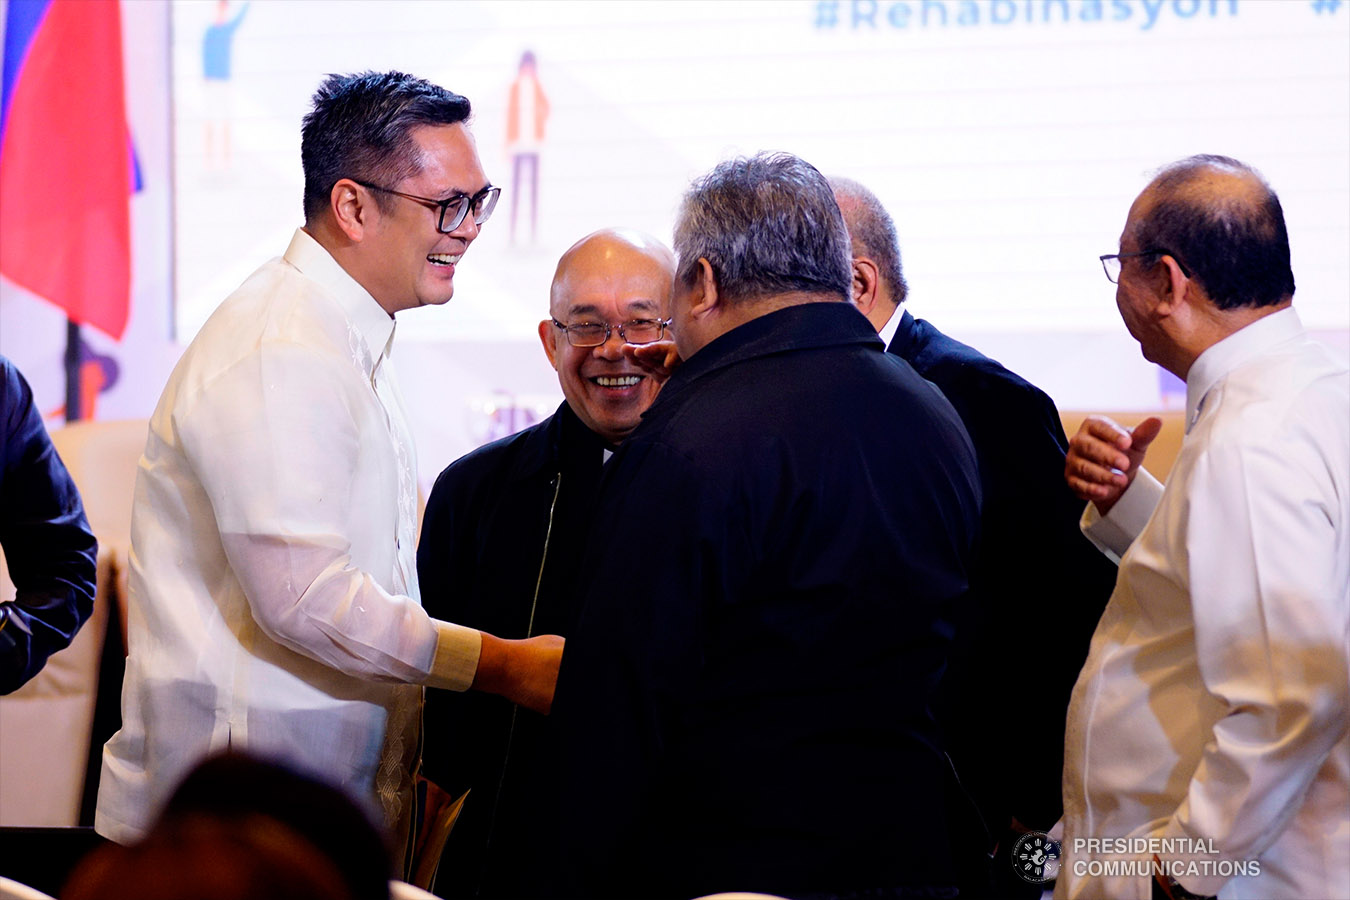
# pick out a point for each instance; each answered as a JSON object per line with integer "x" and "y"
{"x": 1104, "y": 457}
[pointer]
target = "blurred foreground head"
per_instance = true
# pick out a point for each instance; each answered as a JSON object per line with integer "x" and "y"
{"x": 240, "y": 828}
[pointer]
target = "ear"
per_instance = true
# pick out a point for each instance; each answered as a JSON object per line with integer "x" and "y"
{"x": 353, "y": 209}
{"x": 548, "y": 336}
{"x": 703, "y": 297}
{"x": 866, "y": 278}
{"x": 1175, "y": 289}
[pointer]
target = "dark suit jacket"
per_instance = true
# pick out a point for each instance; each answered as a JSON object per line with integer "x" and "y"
{"x": 745, "y": 702}
{"x": 49, "y": 548}
{"x": 502, "y": 539}
{"x": 1039, "y": 586}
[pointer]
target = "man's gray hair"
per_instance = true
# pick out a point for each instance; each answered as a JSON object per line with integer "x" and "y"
{"x": 767, "y": 224}
{"x": 873, "y": 233}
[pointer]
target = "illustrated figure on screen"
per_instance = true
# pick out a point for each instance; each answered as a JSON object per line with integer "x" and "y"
{"x": 1212, "y": 710}
{"x": 504, "y": 531}
{"x": 217, "y": 55}
{"x": 526, "y": 118}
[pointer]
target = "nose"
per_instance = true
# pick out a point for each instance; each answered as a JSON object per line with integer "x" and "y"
{"x": 466, "y": 230}
{"x": 612, "y": 348}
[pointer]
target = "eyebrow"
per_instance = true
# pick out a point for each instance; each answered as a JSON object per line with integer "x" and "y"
{"x": 588, "y": 309}
{"x": 456, "y": 192}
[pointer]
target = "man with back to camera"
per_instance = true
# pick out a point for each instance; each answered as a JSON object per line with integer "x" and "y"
{"x": 1211, "y": 711}
{"x": 744, "y": 702}
{"x": 503, "y": 535}
{"x": 1039, "y": 585}
{"x": 274, "y": 598}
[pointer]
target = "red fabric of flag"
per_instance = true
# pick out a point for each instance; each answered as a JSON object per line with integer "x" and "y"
{"x": 65, "y": 168}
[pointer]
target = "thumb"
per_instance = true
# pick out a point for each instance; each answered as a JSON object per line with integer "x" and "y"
{"x": 1144, "y": 433}
{"x": 650, "y": 353}
{"x": 660, "y": 356}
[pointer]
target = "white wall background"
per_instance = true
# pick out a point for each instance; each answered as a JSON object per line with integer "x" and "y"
{"x": 1007, "y": 137}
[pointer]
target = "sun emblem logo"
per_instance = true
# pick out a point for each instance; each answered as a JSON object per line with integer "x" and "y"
{"x": 1035, "y": 857}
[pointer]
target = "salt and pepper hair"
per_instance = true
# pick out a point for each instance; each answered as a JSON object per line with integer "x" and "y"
{"x": 767, "y": 224}
{"x": 873, "y": 233}
{"x": 1221, "y": 221}
{"x": 361, "y": 128}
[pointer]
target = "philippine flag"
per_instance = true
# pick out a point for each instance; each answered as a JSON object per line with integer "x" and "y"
{"x": 65, "y": 159}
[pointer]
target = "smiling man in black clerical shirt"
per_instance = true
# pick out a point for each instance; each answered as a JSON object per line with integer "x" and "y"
{"x": 504, "y": 531}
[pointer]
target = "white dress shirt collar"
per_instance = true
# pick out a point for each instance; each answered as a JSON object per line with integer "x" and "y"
{"x": 887, "y": 333}
{"x": 1225, "y": 356}
{"x": 372, "y": 323}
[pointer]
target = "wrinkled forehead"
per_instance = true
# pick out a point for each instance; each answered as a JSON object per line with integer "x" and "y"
{"x": 616, "y": 285}
{"x": 616, "y": 307}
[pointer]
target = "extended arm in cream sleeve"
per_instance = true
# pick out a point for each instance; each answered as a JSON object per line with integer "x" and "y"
{"x": 1114, "y": 532}
{"x": 276, "y": 439}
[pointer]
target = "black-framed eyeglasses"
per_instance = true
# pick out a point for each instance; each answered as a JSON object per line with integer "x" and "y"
{"x": 453, "y": 209}
{"x": 593, "y": 334}
{"x": 1111, "y": 262}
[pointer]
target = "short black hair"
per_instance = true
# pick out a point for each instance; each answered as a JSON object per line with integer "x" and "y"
{"x": 767, "y": 224}
{"x": 1233, "y": 242}
{"x": 361, "y": 128}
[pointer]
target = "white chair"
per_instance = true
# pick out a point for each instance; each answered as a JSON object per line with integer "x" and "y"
{"x": 398, "y": 890}
{"x": 45, "y": 726}
{"x": 12, "y": 890}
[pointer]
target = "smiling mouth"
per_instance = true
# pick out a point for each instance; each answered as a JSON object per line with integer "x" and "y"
{"x": 616, "y": 381}
{"x": 443, "y": 259}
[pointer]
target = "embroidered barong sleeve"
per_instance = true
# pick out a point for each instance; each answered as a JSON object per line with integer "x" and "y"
{"x": 275, "y": 440}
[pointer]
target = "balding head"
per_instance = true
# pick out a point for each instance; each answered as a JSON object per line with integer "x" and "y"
{"x": 1223, "y": 224}
{"x": 872, "y": 233}
{"x": 607, "y": 254}
{"x": 612, "y": 277}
